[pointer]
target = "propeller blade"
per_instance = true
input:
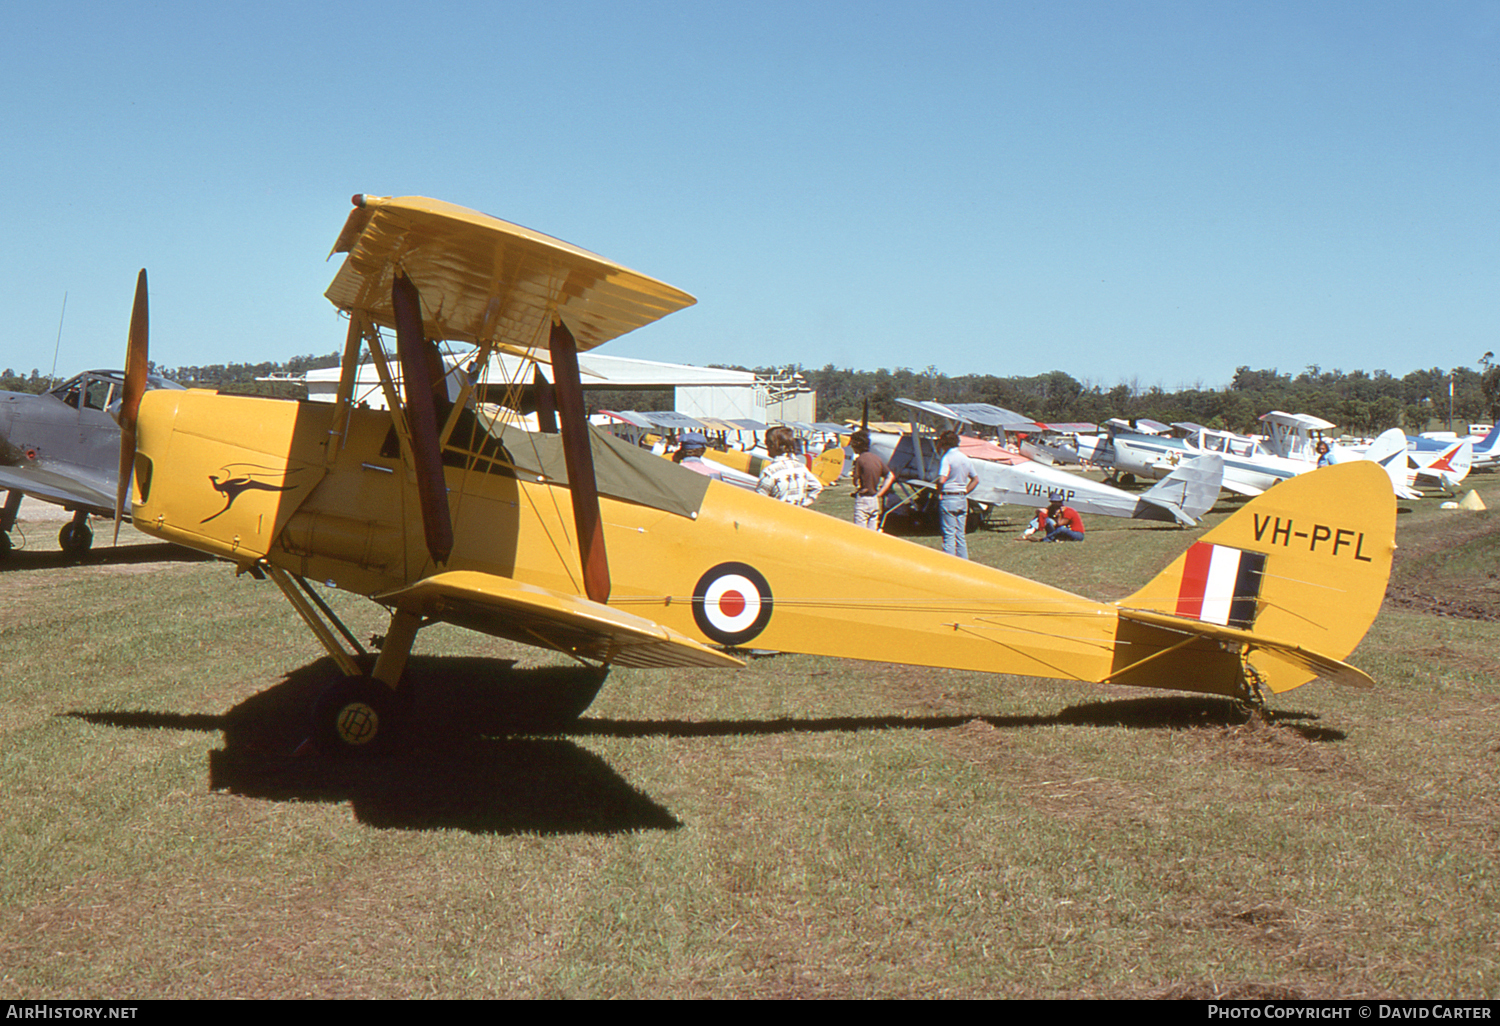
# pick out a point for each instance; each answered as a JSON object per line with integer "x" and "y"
{"x": 865, "y": 420}
{"x": 137, "y": 356}
{"x": 567, "y": 393}
{"x": 420, "y": 383}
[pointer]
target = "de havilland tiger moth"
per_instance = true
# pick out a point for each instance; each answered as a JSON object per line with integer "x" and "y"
{"x": 575, "y": 542}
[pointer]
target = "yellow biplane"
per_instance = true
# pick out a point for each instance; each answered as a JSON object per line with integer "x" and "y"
{"x": 577, "y": 542}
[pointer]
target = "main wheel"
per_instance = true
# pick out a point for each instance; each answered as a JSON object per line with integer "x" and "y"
{"x": 5, "y": 545}
{"x": 356, "y": 716}
{"x": 75, "y": 538}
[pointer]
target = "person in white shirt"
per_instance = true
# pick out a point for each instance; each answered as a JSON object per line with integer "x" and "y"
{"x": 786, "y": 476}
{"x": 956, "y": 479}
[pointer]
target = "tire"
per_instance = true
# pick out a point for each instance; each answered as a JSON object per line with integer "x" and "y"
{"x": 75, "y": 538}
{"x": 356, "y": 716}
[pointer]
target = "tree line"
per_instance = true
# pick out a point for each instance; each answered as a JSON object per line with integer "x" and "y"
{"x": 1357, "y": 401}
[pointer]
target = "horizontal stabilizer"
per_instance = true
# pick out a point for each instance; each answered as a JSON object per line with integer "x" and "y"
{"x": 506, "y": 608}
{"x": 1258, "y": 648}
{"x": 1187, "y": 492}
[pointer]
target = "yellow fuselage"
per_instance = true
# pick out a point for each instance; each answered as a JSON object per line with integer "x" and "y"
{"x": 332, "y": 501}
{"x": 353, "y": 521}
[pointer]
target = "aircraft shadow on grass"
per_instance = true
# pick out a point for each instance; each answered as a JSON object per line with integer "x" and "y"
{"x": 118, "y": 555}
{"x": 486, "y": 760}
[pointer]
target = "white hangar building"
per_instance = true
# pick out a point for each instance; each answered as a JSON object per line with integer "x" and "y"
{"x": 698, "y": 391}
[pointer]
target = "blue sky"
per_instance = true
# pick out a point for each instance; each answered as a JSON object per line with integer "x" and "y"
{"x": 1146, "y": 192}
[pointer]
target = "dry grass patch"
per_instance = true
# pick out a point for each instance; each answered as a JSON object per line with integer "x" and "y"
{"x": 802, "y": 828}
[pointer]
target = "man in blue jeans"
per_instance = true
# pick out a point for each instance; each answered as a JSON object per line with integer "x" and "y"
{"x": 1067, "y": 525}
{"x": 956, "y": 479}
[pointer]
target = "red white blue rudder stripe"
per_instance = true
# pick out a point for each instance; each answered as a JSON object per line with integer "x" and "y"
{"x": 1220, "y": 585}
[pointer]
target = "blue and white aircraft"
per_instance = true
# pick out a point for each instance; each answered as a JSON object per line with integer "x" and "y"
{"x": 1485, "y": 449}
{"x": 1251, "y": 465}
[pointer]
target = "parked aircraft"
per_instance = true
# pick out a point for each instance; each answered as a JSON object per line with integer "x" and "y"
{"x": 1150, "y": 449}
{"x": 743, "y": 466}
{"x": 582, "y": 544}
{"x": 62, "y": 446}
{"x": 1188, "y": 492}
{"x": 1485, "y": 448}
{"x": 1410, "y": 470}
{"x": 1144, "y": 451}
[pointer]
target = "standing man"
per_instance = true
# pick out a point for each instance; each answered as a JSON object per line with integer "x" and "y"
{"x": 872, "y": 480}
{"x": 956, "y": 479}
{"x": 785, "y": 476}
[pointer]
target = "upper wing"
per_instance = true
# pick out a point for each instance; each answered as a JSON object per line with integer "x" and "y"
{"x": 482, "y": 278}
{"x": 507, "y": 608}
{"x": 41, "y": 483}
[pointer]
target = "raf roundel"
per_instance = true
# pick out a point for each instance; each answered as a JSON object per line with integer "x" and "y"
{"x": 732, "y": 603}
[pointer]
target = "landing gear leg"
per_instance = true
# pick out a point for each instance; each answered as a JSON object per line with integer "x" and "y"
{"x": 360, "y": 714}
{"x": 8, "y": 520}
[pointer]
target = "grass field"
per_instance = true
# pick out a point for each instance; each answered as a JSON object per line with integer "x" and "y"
{"x": 805, "y": 827}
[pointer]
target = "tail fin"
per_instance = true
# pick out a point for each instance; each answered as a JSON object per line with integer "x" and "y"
{"x": 1450, "y": 467}
{"x": 1189, "y": 491}
{"x": 1485, "y": 448}
{"x": 1284, "y": 590}
{"x": 1390, "y": 452}
{"x": 828, "y": 465}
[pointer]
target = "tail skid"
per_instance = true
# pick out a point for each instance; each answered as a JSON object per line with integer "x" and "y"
{"x": 1280, "y": 593}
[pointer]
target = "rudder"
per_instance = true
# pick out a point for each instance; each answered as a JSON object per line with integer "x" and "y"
{"x": 1292, "y": 582}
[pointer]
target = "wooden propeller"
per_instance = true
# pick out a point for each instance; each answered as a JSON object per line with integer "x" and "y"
{"x": 137, "y": 358}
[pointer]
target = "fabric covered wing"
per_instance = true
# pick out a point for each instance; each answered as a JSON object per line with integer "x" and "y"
{"x": 520, "y": 612}
{"x": 484, "y": 279}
